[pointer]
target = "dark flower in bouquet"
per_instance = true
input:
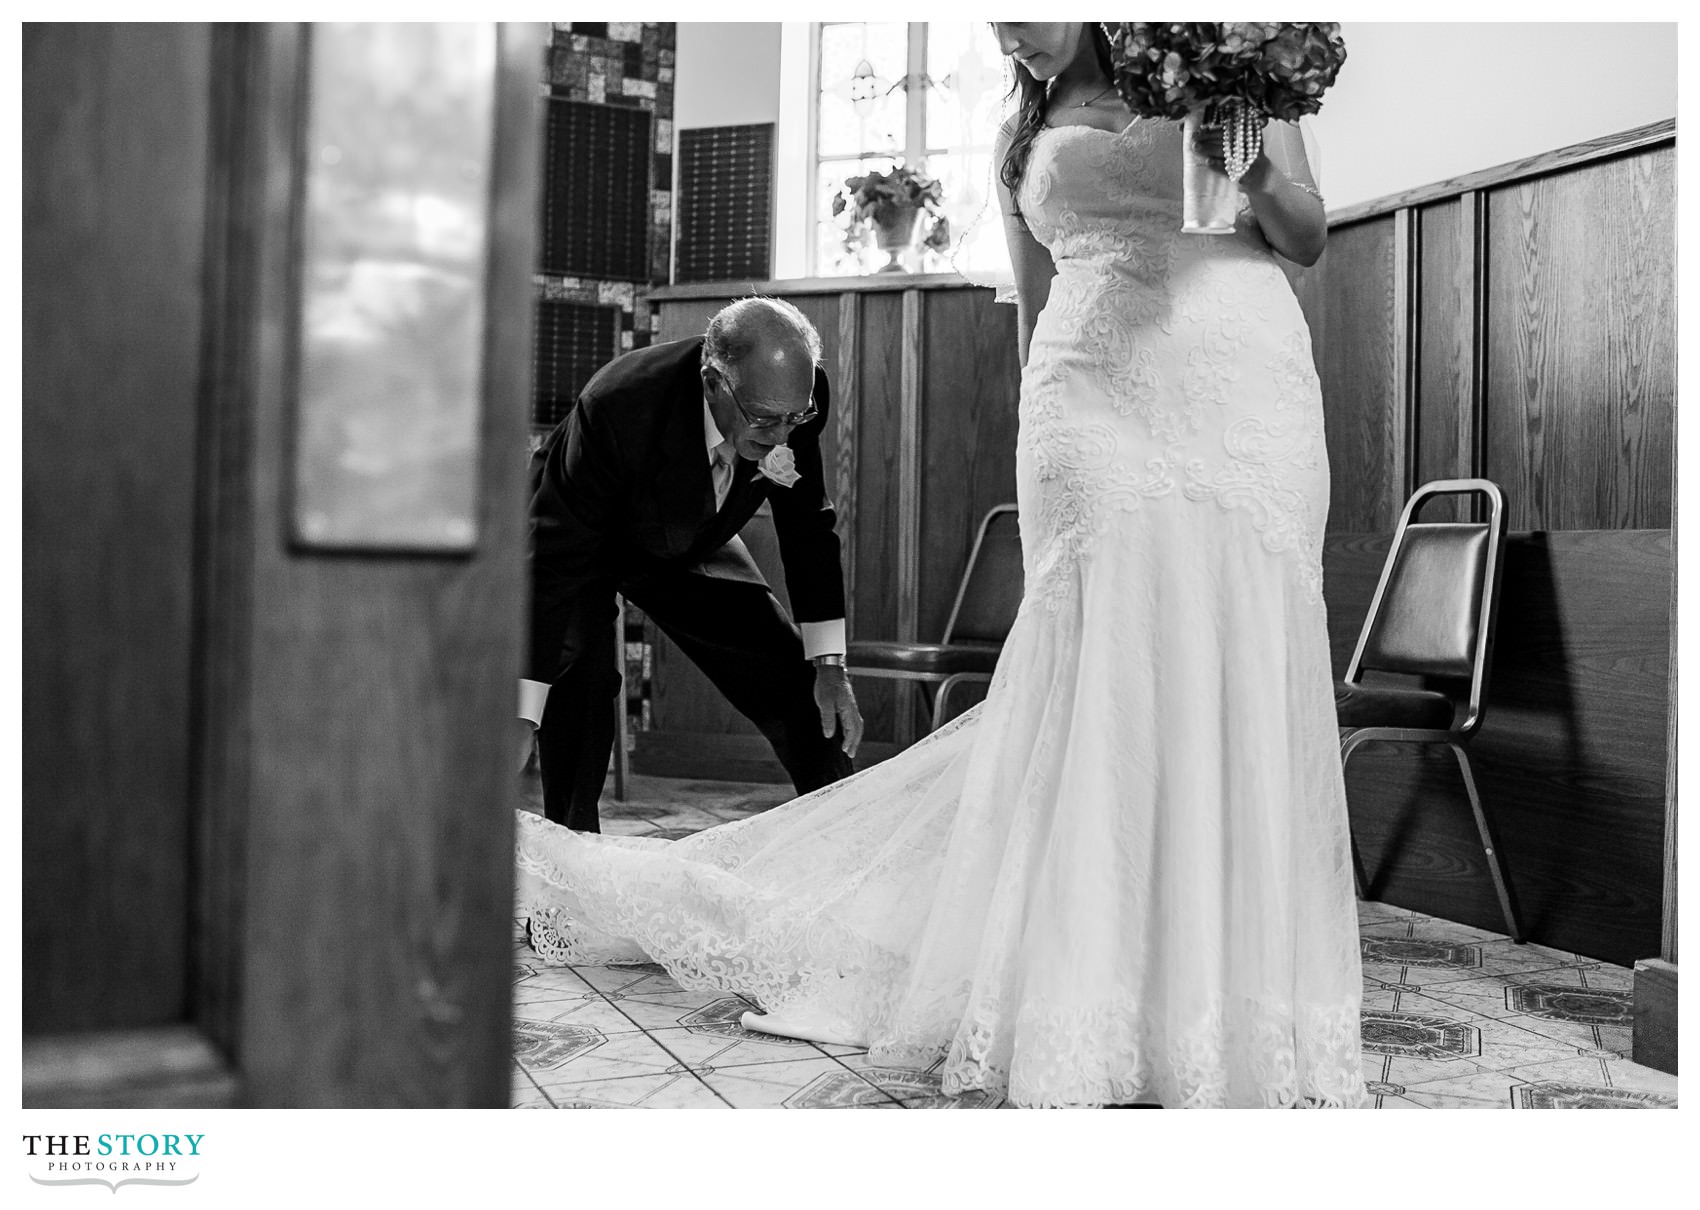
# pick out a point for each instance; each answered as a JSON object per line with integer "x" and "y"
{"x": 891, "y": 199}
{"x": 1271, "y": 69}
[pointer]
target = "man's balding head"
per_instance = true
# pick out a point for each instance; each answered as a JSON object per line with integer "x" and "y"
{"x": 766, "y": 351}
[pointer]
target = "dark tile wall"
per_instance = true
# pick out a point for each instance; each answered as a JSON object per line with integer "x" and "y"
{"x": 625, "y": 63}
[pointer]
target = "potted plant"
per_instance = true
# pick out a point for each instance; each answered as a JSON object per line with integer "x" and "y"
{"x": 895, "y": 205}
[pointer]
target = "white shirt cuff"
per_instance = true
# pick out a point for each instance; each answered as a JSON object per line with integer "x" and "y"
{"x": 823, "y": 638}
{"x": 532, "y": 695}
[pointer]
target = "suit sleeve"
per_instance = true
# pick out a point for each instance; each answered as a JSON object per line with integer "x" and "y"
{"x": 577, "y": 486}
{"x": 804, "y": 520}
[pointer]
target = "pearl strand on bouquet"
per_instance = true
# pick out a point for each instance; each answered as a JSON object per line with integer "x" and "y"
{"x": 1242, "y": 137}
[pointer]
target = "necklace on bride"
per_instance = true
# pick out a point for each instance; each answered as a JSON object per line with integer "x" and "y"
{"x": 1094, "y": 98}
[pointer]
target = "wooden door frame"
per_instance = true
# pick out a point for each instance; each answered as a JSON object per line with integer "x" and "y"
{"x": 250, "y": 298}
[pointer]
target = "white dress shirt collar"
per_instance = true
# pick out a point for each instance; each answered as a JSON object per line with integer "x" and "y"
{"x": 711, "y": 433}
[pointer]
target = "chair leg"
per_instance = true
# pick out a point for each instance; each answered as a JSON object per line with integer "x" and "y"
{"x": 1496, "y": 866}
{"x": 940, "y": 696}
{"x": 622, "y": 755}
{"x": 928, "y": 704}
{"x": 1359, "y": 878}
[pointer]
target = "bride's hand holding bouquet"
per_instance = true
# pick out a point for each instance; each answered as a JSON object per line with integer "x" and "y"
{"x": 1224, "y": 80}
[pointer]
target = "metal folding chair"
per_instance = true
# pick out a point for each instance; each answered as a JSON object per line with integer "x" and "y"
{"x": 986, "y": 602}
{"x": 1433, "y": 616}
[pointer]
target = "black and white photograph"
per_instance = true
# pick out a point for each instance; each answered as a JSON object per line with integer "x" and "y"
{"x": 842, "y": 564}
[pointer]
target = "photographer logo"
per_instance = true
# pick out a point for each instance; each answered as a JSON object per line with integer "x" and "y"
{"x": 113, "y": 1160}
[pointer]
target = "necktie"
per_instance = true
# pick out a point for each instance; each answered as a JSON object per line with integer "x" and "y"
{"x": 725, "y": 459}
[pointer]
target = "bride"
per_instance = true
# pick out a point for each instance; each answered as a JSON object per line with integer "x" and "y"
{"x": 1123, "y": 876}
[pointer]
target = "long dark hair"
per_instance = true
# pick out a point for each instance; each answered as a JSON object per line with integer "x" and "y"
{"x": 1034, "y": 103}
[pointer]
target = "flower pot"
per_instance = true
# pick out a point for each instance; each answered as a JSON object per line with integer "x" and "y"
{"x": 895, "y": 230}
{"x": 1210, "y": 199}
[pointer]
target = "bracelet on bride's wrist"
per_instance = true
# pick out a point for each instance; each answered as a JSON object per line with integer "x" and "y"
{"x": 1310, "y": 189}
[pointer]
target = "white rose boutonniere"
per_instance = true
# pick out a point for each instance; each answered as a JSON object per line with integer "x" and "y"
{"x": 780, "y": 465}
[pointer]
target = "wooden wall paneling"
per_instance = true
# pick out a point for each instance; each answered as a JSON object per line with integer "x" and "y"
{"x": 115, "y": 143}
{"x": 822, "y": 312}
{"x": 1652, "y": 136}
{"x": 677, "y": 319}
{"x": 1654, "y": 1039}
{"x": 968, "y": 429}
{"x": 221, "y": 721}
{"x": 1358, "y": 359}
{"x": 1472, "y": 420}
{"x": 911, "y": 350}
{"x": 1407, "y": 280}
{"x": 382, "y": 688}
{"x": 1444, "y": 398}
{"x": 876, "y": 558}
{"x": 846, "y": 367}
{"x": 1667, "y": 943}
{"x": 1571, "y": 759}
{"x": 1581, "y": 327}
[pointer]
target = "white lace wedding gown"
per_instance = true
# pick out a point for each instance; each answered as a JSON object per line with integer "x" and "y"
{"x": 1124, "y": 876}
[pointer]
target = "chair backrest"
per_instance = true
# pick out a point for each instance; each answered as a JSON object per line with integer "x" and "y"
{"x": 990, "y": 591}
{"x": 1436, "y": 606}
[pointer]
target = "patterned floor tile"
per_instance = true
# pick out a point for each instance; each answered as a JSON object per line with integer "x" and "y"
{"x": 675, "y": 824}
{"x": 917, "y": 1087}
{"x": 1383, "y": 996}
{"x": 589, "y": 1010}
{"x": 1481, "y": 1090}
{"x": 1581, "y": 1006}
{"x": 923, "y": 1089}
{"x": 535, "y": 979}
{"x": 1434, "y": 951}
{"x": 1369, "y": 912}
{"x": 1398, "y": 952}
{"x": 678, "y": 1090}
{"x": 665, "y": 1010}
{"x": 618, "y": 981}
{"x": 524, "y": 1093}
{"x": 1599, "y": 1071}
{"x": 817, "y": 1083}
{"x": 598, "y": 1057}
{"x": 747, "y": 805}
{"x": 546, "y": 1046}
{"x": 1428, "y": 928}
{"x": 1425, "y": 1042}
{"x": 715, "y": 1050}
{"x": 1553, "y": 1095}
{"x": 834, "y": 1048}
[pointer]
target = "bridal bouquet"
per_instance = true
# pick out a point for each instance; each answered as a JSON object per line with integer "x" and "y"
{"x": 1233, "y": 74}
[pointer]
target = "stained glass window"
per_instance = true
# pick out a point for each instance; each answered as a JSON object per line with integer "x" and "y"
{"x": 923, "y": 93}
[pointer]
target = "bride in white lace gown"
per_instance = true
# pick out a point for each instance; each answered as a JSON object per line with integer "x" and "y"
{"x": 1124, "y": 876}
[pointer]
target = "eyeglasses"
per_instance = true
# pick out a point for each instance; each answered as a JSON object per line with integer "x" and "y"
{"x": 786, "y": 419}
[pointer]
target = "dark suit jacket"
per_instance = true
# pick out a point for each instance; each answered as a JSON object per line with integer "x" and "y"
{"x": 621, "y": 489}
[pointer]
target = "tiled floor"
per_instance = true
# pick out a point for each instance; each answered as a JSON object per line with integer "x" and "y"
{"x": 1453, "y": 1018}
